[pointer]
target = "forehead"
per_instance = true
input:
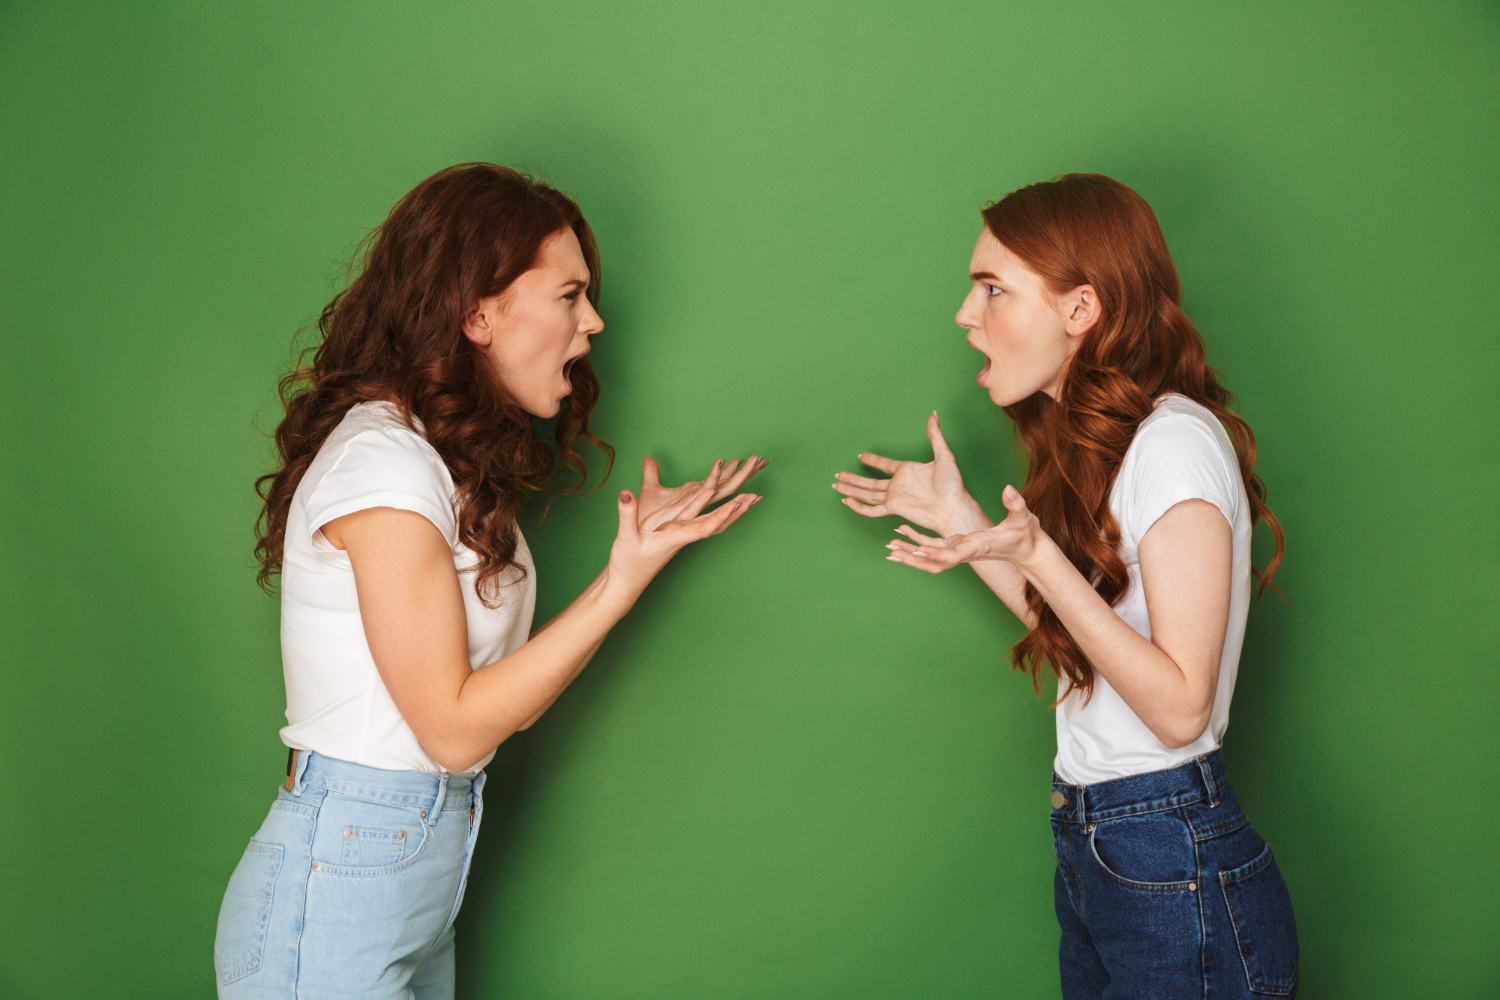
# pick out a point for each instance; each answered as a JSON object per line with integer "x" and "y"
{"x": 562, "y": 256}
{"x": 990, "y": 255}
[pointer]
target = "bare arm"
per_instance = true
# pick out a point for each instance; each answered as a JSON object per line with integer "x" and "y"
{"x": 1168, "y": 680}
{"x": 413, "y": 614}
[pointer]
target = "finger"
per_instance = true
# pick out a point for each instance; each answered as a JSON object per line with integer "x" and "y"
{"x": 630, "y": 526}
{"x": 859, "y": 493}
{"x": 916, "y": 561}
{"x": 1014, "y": 502}
{"x": 714, "y": 474}
{"x": 935, "y": 435}
{"x": 650, "y": 474}
{"x": 696, "y": 503}
{"x": 861, "y": 481}
{"x": 752, "y": 465}
{"x": 868, "y": 510}
{"x": 880, "y": 462}
{"x": 917, "y": 536}
{"x": 716, "y": 521}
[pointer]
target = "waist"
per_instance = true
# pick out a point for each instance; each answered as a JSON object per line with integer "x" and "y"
{"x": 377, "y": 784}
{"x": 1202, "y": 779}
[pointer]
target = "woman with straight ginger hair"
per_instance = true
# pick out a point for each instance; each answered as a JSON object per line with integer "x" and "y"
{"x": 406, "y": 587}
{"x": 1127, "y": 555}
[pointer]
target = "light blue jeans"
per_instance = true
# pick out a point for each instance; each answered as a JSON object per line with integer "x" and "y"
{"x": 350, "y": 887}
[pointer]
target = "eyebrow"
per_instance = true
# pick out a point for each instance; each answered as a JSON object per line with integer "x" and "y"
{"x": 977, "y": 275}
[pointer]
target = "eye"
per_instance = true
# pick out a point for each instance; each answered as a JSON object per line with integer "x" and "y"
{"x": 573, "y": 295}
{"x": 993, "y": 291}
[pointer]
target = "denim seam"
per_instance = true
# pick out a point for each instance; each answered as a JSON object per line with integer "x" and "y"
{"x": 1077, "y": 878}
{"x": 414, "y": 800}
{"x": 1202, "y": 917}
{"x": 1131, "y": 883}
{"x": 306, "y": 874}
{"x": 1107, "y": 814}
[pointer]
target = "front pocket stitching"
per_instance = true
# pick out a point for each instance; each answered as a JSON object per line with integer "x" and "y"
{"x": 1254, "y": 867}
{"x": 379, "y": 837}
{"x": 1221, "y": 829}
{"x": 1131, "y": 883}
{"x": 404, "y": 863}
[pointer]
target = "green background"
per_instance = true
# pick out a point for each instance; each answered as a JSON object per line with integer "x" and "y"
{"x": 796, "y": 770}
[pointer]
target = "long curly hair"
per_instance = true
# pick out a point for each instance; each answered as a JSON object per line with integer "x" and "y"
{"x": 395, "y": 333}
{"x": 1090, "y": 229}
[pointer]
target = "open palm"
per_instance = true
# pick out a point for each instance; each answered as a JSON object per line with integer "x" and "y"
{"x": 660, "y": 504}
{"x": 930, "y": 494}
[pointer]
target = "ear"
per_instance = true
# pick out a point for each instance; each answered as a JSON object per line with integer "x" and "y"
{"x": 482, "y": 321}
{"x": 1081, "y": 306}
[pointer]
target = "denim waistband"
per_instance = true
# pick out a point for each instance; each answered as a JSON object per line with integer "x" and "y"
{"x": 1200, "y": 779}
{"x": 424, "y": 789}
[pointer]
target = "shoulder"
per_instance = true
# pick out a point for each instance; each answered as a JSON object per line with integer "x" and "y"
{"x": 1179, "y": 452}
{"x": 373, "y": 459}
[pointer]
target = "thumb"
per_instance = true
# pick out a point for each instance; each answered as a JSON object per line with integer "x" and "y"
{"x": 1014, "y": 502}
{"x": 935, "y": 435}
{"x": 630, "y": 525}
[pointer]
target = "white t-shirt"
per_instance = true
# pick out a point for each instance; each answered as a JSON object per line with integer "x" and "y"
{"x": 336, "y": 703}
{"x": 1180, "y": 452}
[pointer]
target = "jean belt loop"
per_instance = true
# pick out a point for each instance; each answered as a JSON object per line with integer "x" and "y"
{"x": 437, "y": 803}
{"x": 1083, "y": 819}
{"x": 1208, "y": 781}
{"x": 303, "y": 756}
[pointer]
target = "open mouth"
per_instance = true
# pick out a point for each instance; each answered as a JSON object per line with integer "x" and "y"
{"x": 983, "y": 371}
{"x": 567, "y": 372}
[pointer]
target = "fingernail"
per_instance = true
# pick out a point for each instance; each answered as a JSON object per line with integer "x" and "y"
{"x": 624, "y": 496}
{"x": 892, "y": 559}
{"x": 735, "y": 507}
{"x": 756, "y": 501}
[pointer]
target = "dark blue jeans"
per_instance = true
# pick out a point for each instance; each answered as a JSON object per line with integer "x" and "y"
{"x": 1165, "y": 890}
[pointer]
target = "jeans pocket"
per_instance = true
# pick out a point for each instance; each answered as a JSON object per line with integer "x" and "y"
{"x": 1260, "y": 910}
{"x": 366, "y": 847}
{"x": 1152, "y": 852}
{"x": 246, "y": 912}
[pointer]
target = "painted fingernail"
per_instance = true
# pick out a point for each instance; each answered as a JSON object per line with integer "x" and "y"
{"x": 892, "y": 559}
{"x": 735, "y": 507}
{"x": 756, "y": 501}
{"x": 625, "y": 496}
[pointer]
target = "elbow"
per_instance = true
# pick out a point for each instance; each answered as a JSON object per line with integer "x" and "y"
{"x": 1182, "y": 730}
{"x": 454, "y": 757}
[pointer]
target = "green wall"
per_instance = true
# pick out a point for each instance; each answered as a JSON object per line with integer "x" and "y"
{"x": 796, "y": 770}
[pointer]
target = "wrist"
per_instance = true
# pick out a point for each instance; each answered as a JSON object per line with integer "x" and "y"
{"x": 617, "y": 589}
{"x": 964, "y": 518}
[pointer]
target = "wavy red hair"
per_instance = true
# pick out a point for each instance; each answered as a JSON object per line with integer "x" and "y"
{"x": 395, "y": 333}
{"x": 1088, "y": 229}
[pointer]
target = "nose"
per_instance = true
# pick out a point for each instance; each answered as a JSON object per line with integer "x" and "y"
{"x": 968, "y": 313}
{"x": 592, "y": 322}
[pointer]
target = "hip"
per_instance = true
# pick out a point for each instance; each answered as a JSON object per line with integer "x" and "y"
{"x": 354, "y": 876}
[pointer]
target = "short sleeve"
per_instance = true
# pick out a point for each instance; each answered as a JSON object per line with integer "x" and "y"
{"x": 1176, "y": 457}
{"x": 383, "y": 467}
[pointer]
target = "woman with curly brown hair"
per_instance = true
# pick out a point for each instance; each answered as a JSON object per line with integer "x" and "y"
{"x": 1127, "y": 555}
{"x": 406, "y": 587}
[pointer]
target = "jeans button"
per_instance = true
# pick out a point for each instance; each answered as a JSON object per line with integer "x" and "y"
{"x": 1192, "y": 887}
{"x": 1059, "y": 800}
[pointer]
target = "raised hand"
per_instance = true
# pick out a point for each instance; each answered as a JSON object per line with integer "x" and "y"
{"x": 1013, "y": 540}
{"x": 930, "y": 494}
{"x": 641, "y": 549}
{"x": 660, "y": 504}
